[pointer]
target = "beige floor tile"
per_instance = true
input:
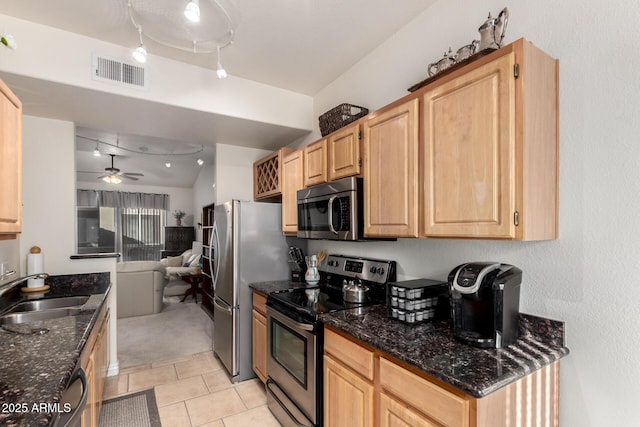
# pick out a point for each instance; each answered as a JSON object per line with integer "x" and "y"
{"x": 116, "y": 385}
{"x": 252, "y": 393}
{"x": 216, "y": 423}
{"x": 206, "y": 355}
{"x": 174, "y": 415}
{"x": 177, "y": 391}
{"x": 217, "y": 380}
{"x": 171, "y": 361}
{"x": 194, "y": 367}
{"x": 214, "y": 406}
{"x": 260, "y": 416}
{"x": 148, "y": 378}
{"x": 135, "y": 369}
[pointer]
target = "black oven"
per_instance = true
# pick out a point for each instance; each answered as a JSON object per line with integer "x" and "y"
{"x": 331, "y": 211}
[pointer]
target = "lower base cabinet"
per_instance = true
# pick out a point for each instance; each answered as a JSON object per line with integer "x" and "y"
{"x": 95, "y": 362}
{"x": 365, "y": 387}
{"x": 259, "y": 332}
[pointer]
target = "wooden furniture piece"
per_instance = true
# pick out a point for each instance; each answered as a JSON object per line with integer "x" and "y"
{"x": 194, "y": 280}
{"x": 344, "y": 156}
{"x": 391, "y": 171}
{"x": 177, "y": 240}
{"x": 267, "y": 175}
{"x": 206, "y": 285}
{"x": 259, "y": 335}
{"x": 95, "y": 362}
{"x": 292, "y": 181}
{"x": 315, "y": 163}
{"x": 10, "y": 164}
{"x": 490, "y": 155}
{"x": 365, "y": 387}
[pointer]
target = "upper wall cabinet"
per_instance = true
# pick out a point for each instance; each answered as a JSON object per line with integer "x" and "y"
{"x": 10, "y": 164}
{"x": 315, "y": 163}
{"x": 267, "y": 175}
{"x": 391, "y": 171}
{"x": 292, "y": 181}
{"x": 490, "y": 149}
{"x": 344, "y": 152}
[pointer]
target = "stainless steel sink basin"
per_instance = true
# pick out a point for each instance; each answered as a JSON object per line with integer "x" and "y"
{"x": 47, "y": 304}
{"x": 34, "y": 316}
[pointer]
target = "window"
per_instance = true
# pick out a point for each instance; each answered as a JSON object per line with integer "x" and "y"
{"x": 136, "y": 232}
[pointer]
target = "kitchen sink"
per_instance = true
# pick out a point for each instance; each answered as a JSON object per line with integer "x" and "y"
{"x": 34, "y": 316}
{"x": 48, "y": 304}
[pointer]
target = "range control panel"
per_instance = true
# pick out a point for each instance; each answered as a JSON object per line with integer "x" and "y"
{"x": 372, "y": 270}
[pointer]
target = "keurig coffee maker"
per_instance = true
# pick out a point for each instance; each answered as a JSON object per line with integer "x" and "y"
{"x": 485, "y": 303}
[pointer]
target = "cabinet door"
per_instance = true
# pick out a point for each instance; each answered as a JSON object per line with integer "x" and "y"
{"x": 260, "y": 345}
{"x": 469, "y": 154}
{"x": 344, "y": 152}
{"x": 315, "y": 163}
{"x": 292, "y": 181}
{"x": 395, "y": 414}
{"x": 89, "y": 415}
{"x": 348, "y": 399}
{"x": 391, "y": 172}
{"x": 10, "y": 162}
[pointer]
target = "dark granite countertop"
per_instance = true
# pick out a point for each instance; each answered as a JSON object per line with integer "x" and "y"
{"x": 277, "y": 285}
{"x": 431, "y": 348}
{"x": 35, "y": 369}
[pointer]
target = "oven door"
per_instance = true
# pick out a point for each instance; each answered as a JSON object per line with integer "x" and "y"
{"x": 292, "y": 362}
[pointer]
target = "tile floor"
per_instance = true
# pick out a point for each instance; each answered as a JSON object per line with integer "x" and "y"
{"x": 195, "y": 391}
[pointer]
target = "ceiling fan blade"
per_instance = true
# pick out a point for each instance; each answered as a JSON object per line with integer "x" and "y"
{"x": 88, "y": 172}
{"x": 104, "y": 176}
{"x": 128, "y": 177}
{"x": 133, "y": 174}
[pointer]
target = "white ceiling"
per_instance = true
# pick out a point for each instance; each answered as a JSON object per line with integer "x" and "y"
{"x": 299, "y": 45}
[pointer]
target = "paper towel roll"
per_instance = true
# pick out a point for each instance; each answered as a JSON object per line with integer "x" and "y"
{"x": 35, "y": 265}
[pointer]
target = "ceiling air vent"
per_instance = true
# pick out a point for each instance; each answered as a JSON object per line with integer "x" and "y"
{"x": 111, "y": 70}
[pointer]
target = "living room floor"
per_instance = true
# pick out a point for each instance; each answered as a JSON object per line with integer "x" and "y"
{"x": 195, "y": 391}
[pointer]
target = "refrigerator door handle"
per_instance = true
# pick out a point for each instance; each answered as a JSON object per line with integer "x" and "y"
{"x": 225, "y": 308}
{"x": 214, "y": 234}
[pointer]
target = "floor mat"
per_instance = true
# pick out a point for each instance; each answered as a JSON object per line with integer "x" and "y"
{"x": 133, "y": 410}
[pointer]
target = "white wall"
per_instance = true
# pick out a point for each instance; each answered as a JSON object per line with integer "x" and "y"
{"x": 588, "y": 277}
{"x": 234, "y": 172}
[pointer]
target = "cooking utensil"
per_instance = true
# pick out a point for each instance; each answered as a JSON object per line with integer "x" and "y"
{"x": 355, "y": 291}
{"x": 321, "y": 256}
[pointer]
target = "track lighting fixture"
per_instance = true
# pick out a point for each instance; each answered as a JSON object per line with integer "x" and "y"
{"x": 168, "y": 164}
{"x": 140, "y": 53}
{"x": 200, "y": 162}
{"x": 96, "y": 151}
{"x": 192, "y": 11}
{"x": 220, "y": 71}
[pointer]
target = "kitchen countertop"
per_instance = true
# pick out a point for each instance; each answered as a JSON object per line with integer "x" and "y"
{"x": 35, "y": 369}
{"x": 431, "y": 348}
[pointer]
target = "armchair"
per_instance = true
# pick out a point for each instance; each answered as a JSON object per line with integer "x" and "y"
{"x": 176, "y": 267}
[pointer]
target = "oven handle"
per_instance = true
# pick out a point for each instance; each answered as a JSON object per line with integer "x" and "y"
{"x": 289, "y": 321}
{"x": 330, "y": 208}
{"x": 282, "y": 405}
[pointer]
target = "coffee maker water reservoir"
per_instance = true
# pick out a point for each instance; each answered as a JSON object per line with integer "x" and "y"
{"x": 485, "y": 303}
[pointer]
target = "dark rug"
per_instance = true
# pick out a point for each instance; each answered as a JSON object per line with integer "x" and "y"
{"x": 136, "y": 410}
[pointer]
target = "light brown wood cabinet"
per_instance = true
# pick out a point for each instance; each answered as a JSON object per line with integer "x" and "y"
{"x": 315, "y": 163}
{"x": 10, "y": 163}
{"x": 390, "y": 147}
{"x": 366, "y": 387}
{"x": 259, "y": 334}
{"x": 345, "y": 158}
{"x": 95, "y": 362}
{"x": 267, "y": 175}
{"x": 490, "y": 155}
{"x": 292, "y": 181}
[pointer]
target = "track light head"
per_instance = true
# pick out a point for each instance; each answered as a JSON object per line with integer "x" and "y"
{"x": 200, "y": 162}
{"x": 220, "y": 71}
{"x": 140, "y": 54}
{"x": 192, "y": 11}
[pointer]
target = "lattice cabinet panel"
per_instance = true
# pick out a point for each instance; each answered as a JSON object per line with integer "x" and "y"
{"x": 267, "y": 175}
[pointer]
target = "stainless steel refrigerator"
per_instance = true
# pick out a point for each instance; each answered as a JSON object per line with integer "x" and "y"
{"x": 247, "y": 245}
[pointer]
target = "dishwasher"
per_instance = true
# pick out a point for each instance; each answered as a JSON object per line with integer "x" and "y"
{"x": 75, "y": 396}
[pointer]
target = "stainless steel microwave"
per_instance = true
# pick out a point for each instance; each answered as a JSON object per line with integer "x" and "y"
{"x": 332, "y": 211}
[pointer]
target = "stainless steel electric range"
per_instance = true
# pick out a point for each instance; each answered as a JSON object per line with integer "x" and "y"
{"x": 295, "y": 335}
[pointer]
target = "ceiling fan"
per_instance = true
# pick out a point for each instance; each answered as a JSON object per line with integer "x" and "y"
{"x": 113, "y": 175}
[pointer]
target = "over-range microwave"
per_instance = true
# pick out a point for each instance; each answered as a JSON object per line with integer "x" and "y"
{"x": 332, "y": 211}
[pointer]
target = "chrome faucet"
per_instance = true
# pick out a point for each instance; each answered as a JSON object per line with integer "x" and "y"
{"x": 10, "y": 285}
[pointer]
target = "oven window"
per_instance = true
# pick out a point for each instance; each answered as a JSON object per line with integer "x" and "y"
{"x": 289, "y": 349}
